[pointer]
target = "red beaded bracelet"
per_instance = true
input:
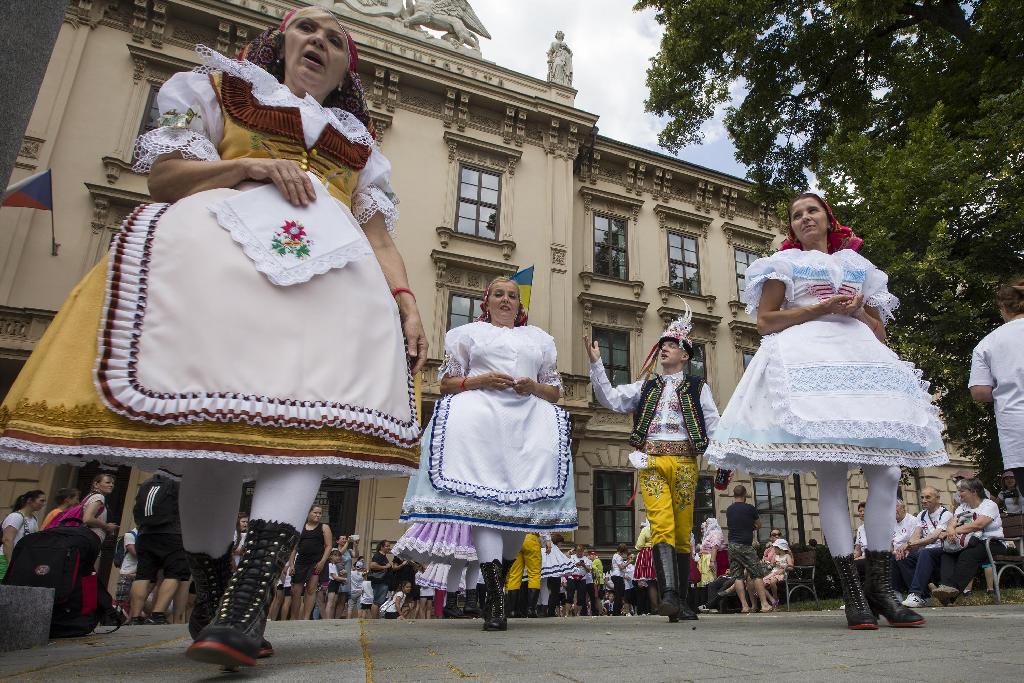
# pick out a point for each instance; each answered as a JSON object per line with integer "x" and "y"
{"x": 462, "y": 387}
{"x": 398, "y": 290}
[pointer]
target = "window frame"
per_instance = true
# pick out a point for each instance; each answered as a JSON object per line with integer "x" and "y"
{"x": 610, "y": 368}
{"x": 768, "y": 514}
{"x": 703, "y": 512}
{"x": 683, "y": 236}
{"x": 145, "y": 122}
{"x": 736, "y": 265}
{"x": 600, "y": 538}
{"x": 473, "y": 297}
{"x": 704, "y": 356}
{"x": 624, "y": 249}
{"x": 477, "y": 202}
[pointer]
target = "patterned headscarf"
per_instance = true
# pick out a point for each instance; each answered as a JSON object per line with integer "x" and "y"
{"x": 839, "y": 236}
{"x": 485, "y": 315}
{"x": 712, "y": 536}
{"x": 267, "y": 51}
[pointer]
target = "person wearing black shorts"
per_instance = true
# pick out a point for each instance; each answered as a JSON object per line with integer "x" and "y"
{"x": 158, "y": 547}
{"x": 309, "y": 559}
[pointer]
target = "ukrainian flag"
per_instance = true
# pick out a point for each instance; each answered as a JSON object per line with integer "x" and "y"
{"x": 524, "y": 278}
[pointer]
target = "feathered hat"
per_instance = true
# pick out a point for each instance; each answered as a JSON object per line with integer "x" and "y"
{"x": 677, "y": 331}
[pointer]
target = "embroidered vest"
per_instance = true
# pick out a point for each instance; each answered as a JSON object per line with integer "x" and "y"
{"x": 688, "y": 392}
{"x": 257, "y": 131}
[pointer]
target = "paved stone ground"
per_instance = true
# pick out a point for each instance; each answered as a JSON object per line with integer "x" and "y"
{"x": 800, "y": 647}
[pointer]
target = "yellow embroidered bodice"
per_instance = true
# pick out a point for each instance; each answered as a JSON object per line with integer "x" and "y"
{"x": 257, "y": 131}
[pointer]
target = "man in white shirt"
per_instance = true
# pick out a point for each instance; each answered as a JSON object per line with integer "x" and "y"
{"x": 923, "y": 553}
{"x": 904, "y": 530}
{"x": 673, "y": 416}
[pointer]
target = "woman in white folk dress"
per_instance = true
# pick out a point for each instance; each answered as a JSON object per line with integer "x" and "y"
{"x": 216, "y": 339}
{"x": 495, "y": 461}
{"x": 825, "y": 394}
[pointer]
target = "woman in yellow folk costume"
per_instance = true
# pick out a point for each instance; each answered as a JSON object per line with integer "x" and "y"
{"x": 230, "y": 333}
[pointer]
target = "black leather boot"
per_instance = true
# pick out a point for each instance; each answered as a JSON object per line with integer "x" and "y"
{"x": 858, "y": 613}
{"x": 211, "y": 576}
{"x": 472, "y": 608}
{"x": 235, "y": 635}
{"x": 664, "y": 556}
{"x": 532, "y": 597}
{"x": 512, "y": 604}
{"x": 683, "y": 567}
{"x": 878, "y": 591}
{"x": 451, "y": 607}
{"x": 494, "y": 597}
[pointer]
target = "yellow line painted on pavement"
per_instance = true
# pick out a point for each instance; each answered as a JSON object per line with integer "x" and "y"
{"x": 364, "y": 643}
{"x": 76, "y": 662}
{"x": 459, "y": 672}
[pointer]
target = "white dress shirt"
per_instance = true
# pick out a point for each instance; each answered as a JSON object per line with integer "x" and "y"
{"x": 668, "y": 422}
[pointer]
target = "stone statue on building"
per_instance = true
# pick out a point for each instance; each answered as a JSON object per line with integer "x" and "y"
{"x": 560, "y": 61}
{"x": 454, "y": 18}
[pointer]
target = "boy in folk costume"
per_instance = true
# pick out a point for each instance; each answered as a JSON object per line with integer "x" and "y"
{"x": 673, "y": 414}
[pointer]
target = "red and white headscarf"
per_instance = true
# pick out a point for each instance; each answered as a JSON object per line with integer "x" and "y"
{"x": 839, "y": 236}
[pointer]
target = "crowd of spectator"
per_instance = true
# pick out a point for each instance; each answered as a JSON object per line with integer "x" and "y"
{"x": 937, "y": 553}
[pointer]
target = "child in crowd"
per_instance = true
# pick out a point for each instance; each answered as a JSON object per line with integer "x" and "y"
{"x": 337, "y": 579}
{"x": 392, "y": 608}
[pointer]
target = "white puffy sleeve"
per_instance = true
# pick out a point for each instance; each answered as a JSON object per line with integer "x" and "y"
{"x": 190, "y": 123}
{"x": 548, "y": 373}
{"x": 774, "y": 267}
{"x": 456, "y": 354}
{"x": 876, "y": 291}
{"x": 374, "y": 193}
{"x": 621, "y": 399}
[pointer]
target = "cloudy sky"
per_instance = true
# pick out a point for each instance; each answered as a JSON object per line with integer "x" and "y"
{"x": 611, "y": 46}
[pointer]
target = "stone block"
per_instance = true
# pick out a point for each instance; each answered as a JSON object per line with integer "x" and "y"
{"x": 25, "y": 613}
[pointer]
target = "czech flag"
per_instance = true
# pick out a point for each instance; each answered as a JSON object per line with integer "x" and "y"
{"x": 524, "y": 278}
{"x": 34, "y": 192}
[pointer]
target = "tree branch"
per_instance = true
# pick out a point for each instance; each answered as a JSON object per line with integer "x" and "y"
{"x": 947, "y": 15}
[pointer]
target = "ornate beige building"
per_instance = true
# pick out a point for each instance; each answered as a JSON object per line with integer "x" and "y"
{"x": 496, "y": 171}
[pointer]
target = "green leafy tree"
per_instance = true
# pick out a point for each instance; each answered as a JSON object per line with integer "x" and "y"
{"x": 911, "y": 116}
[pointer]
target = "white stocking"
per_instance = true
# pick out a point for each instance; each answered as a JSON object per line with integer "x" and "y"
{"x": 208, "y": 500}
{"x": 492, "y": 544}
{"x": 284, "y": 493}
{"x": 880, "y": 511}
{"x": 834, "y": 507}
{"x": 545, "y": 593}
{"x": 472, "y": 575}
{"x": 455, "y": 570}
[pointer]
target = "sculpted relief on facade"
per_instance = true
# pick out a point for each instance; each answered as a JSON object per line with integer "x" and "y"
{"x": 455, "y": 19}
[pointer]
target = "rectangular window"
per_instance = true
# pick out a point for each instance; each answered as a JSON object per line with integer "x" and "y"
{"x": 743, "y": 259}
{"x": 683, "y": 271}
{"x": 747, "y": 357}
{"x": 614, "y": 347}
{"x": 462, "y": 309}
{"x": 613, "y": 516}
{"x": 770, "y": 501}
{"x": 703, "y": 503}
{"x": 698, "y": 363}
{"x": 610, "y": 257}
{"x": 151, "y": 114}
{"x": 479, "y": 201}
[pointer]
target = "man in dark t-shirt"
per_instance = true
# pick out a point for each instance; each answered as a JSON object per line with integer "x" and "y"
{"x": 742, "y": 520}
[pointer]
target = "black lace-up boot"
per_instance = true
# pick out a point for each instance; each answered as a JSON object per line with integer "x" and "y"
{"x": 664, "y": 556}
{"x": 211, "y": 576}
{"x": 472, "y": 608}
{"x": 858, "y": 613}
{"x": 683, "y": 567}
{"x": 878, "y": 591}
{"x": 494, "y": 597}
{"x": 235, "y": 635}
{"x": 451, "y": 607}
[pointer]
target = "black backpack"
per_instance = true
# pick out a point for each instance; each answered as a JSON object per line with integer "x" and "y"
{"x": 62, "y": 558}
{"x": 156, "y": 504}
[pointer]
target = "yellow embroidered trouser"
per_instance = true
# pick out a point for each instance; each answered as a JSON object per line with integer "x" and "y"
{"x": 668, "y": 484}
{"x": 529, "y": 556}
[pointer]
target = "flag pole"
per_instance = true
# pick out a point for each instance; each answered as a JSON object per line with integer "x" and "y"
{"x": 53, "y": 237}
